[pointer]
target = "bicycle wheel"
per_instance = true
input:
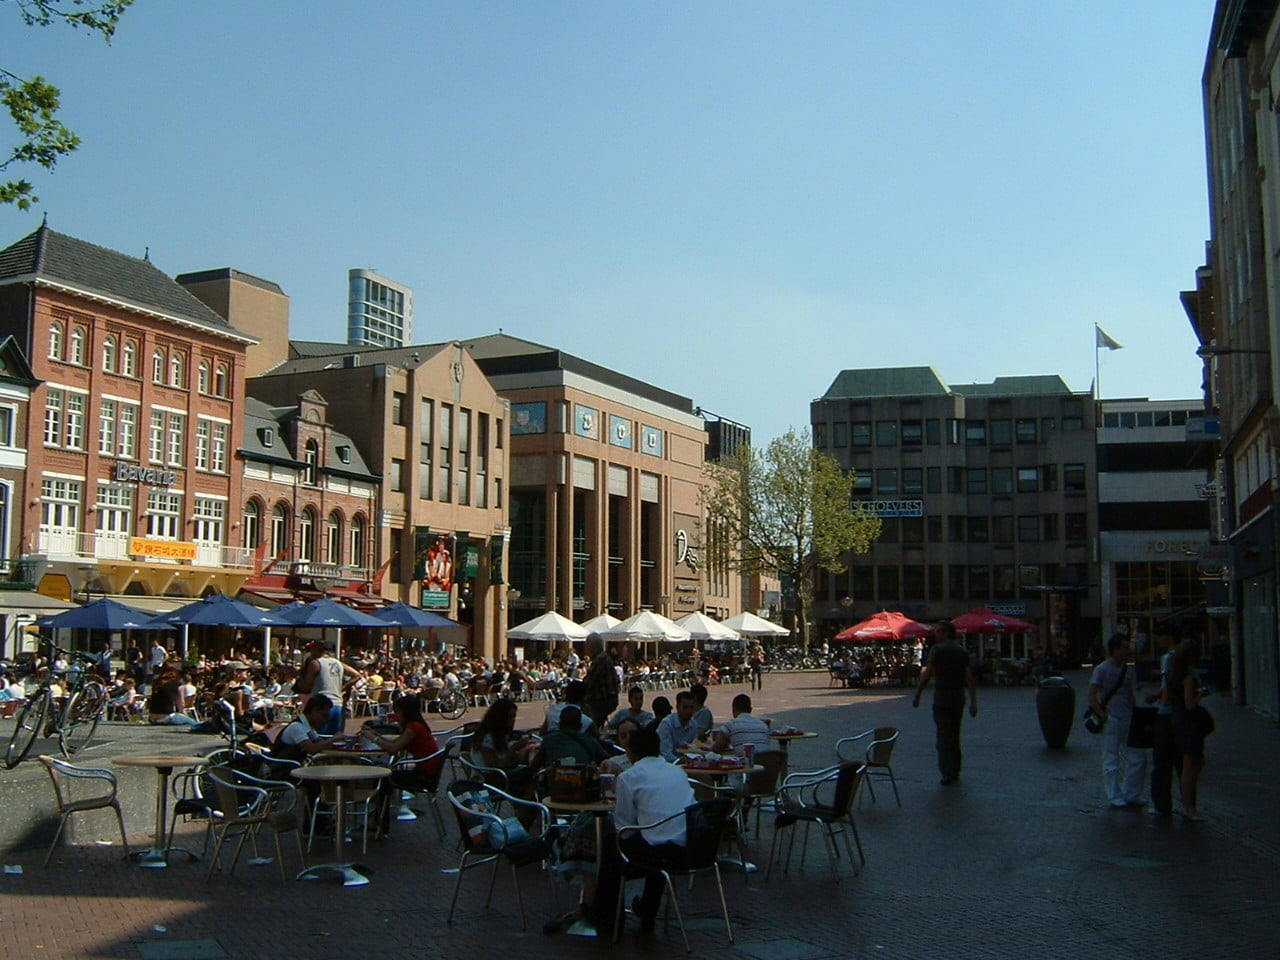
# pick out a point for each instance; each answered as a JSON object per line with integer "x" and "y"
{"x": 80, "y": 717}
{"x": 452, "y": 704}
{"x": 31, "y": 723}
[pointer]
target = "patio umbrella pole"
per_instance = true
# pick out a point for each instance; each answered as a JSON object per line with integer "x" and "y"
{"x": 266, "y": 647}
{"x": 183, "y": 641}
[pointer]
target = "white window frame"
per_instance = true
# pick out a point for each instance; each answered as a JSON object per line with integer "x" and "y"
{"x": 75, "y": 416}
{"x": 54, "y": 402}
{"x": 127, "y": 431}
{"x": 129, "y": 358}
{"x": 107, "y": 413}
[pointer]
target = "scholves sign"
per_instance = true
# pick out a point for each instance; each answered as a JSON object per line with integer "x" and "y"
{"x": 132, "y": 473}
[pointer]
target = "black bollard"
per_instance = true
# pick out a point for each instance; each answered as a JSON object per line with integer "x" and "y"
{"x": 1056, "y": 709}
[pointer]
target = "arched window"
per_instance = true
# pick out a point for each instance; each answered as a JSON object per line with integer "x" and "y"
{"x": 157, "y": 366}
{"x": 333, "y": 539}
{"x": 77, "y": 345}
{"x": 129, "y": 359}
{"x": 177, "y": 370}
{"x": 109, "y": 354}
{"x": 355, "y": 556}
{"x": 56, "y": 334}
{"x": 220, "y": 381}
{"x": 252, "y": 524}
{"x": 279, "y": 529}
{"x": 202, "y": 377}
{"x": 307, "y": 535}
{"x": 312, "y": 458}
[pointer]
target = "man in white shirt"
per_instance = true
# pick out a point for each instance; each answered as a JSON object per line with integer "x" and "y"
{"x": 677, "y": 729}
{"x": 158, "y": 656}
{"x": 649, "y": 791}
{"x": 743, "y": 729}
{"x": 302, "y": 736}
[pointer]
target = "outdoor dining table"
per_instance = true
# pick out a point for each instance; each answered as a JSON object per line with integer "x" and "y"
{"x": 599, "y": 809}
{"x": 784, "y": 739}
{"x": 352, "y": 874}
{"x": 157, "y": 857}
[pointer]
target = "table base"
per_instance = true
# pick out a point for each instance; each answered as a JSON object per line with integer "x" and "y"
{"x": 351, "y": 874}
{"x": 154, "y": 858}
{"x": 737, "y": 866}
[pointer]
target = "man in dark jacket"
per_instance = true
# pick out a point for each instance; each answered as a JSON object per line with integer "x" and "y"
{"x": 602, "y": 687}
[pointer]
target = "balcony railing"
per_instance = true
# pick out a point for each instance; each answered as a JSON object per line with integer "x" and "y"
{"x": 75, "y": 545}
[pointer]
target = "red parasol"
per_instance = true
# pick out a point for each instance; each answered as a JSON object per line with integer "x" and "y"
{"x": 986, "y": 620}
{"x": 886, "y": 626}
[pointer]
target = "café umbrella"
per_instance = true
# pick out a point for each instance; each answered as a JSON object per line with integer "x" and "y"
{"x": 749, "y": 625}
{"x": 887, "y": 626}
{"x": 986, "y": 620}
{"x": 702, "y": 628}
{"x": 550, "y": 627}
{"x": 102, "y": 614}
{"x": 329, "y": 615}
{"x": 220, "y": 610}
{"x": 401, "y": 615}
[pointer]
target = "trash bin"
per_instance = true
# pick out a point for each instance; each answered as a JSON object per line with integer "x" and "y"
{"x": 1056, "y": 709}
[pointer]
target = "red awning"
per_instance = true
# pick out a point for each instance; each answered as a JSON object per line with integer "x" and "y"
{"x": 887, "y": 626}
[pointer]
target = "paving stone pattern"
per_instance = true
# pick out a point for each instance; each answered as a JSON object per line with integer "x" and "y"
{"x": 1021, "y": 859}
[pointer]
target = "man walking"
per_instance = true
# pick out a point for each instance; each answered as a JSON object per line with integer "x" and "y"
{"x": 948, "y": 666}
{"x": 1112, "y": 692}
{"x": 602, "y": 685}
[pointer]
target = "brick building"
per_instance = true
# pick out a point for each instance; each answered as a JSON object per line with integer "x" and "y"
{"x": 130, "y": 475}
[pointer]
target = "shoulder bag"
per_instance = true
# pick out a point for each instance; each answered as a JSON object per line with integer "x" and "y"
{"x": 1092, "y": 721}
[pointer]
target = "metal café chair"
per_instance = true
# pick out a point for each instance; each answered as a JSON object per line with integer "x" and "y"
{"x": 246, "y": 803}
{"x": 877, "y": 756}
{"x": 61, "y": 774}
{"x": 801, "y": 804}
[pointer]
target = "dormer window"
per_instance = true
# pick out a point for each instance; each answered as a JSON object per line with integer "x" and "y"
{"x": 312, "y": 459}
{"x": 267, "y": 436}
{"x": 344, "y": 453}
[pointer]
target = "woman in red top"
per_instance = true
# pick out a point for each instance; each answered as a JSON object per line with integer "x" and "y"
{"x": 415, "y": 740}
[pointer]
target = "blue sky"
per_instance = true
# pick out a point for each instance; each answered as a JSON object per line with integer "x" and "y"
{"x": 732, "y": 200}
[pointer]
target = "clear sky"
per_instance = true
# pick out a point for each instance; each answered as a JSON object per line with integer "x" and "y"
{"x": 734, "y": 200}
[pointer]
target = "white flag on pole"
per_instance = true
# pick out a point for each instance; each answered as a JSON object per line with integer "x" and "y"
{"x": 1103, "y": 339}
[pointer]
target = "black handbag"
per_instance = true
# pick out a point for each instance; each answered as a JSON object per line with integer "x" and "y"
{"x": 1142, "y": 728}
{"x": 1201, "y": 720}
{"x": 1094, "y": 723}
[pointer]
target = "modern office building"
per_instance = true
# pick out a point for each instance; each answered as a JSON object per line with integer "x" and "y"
{"x": 1235, "y": 313}
{"x": 986, "y": 492}
{"x": 379, "y": 310}
{"x": 130, "y": 474}
{"x": 606, "y": 472}
{"x": 427, "y": 422}
{"x": 1153, "y": 515}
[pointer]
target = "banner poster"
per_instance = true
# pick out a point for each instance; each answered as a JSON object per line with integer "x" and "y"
{"x": 495, "y": 560}
{"x": 433, "y": 566}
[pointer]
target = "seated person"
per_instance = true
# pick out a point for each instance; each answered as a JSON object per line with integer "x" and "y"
{"x": 125, "y": 695}
{"x": 302, "y": 737}
{"x": 677, "y": 729}
{"x": 650, "y": 791}
{"x": 634, "y": 710}
{"x": 568, "y": 742}
{"x": 742, "y": 730}
{"x": 575, "y": 693}
{"x": 415, "y": 740}
{"x": 702, "y": 718}
{"x": 166, "y": 705}
{"x": 661, "y": 710}
{"x": 492, "y": 745}
{"x": 617, "y": 764}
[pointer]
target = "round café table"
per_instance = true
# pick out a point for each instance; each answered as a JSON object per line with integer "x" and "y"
{"x": 784, "y": 739}
{"x": 599, "y": 809}
{"x": 339, "y": 775}
{"x": 157, "y": 857}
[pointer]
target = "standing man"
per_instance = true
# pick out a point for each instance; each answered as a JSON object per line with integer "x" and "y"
{"x": 949, "y": 664}
{"x": 1165, "y": 756}
{"x": 158, "y": 656}
{"x": 757, "y": 667}
{"x": 602, "y": 685}
{"x": 1112, "y": 692}
{"x": 324, "y": 674}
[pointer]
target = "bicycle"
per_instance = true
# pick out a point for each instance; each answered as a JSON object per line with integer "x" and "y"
{"x": 74, "y": 722}
{"x": 450, "y": 704}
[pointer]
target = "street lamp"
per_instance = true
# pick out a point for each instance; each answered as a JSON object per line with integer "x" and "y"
{"x": 1208, "y": 351}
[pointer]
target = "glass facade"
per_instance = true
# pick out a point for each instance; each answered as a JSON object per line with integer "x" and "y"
{"x": 379, "y": 313}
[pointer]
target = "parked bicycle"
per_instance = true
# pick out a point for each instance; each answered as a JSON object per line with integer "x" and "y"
{"x": 73, "y": 718}
{"x": 448, "y": 703}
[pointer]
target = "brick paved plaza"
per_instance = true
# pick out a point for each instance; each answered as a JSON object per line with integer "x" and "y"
{"x": 1022, "y": 859}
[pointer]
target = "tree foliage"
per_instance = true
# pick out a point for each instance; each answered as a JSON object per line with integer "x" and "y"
{"x": 33, "y": 102}
{"x": 787, "y": 510}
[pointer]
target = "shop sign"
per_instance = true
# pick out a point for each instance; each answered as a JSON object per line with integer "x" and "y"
{"x": 890, "y": 508}
{"x": 132, "y": 473}
{"x": 162, "y": 549}
{"x": 1010, "y": 609}
{"x": 685, "y": 553}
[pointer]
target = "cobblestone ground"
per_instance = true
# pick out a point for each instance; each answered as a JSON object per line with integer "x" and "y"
{"x": 1021, "y": 859}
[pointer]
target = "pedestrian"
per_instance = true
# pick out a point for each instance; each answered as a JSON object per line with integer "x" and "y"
{"x": 1112, "y": 693}
{"x": 757, "y": 667}
{"x": 601, "y": 683}
{"x": 1165, "y": 758}
{"x": 949, "y": 667}
{"x": 1185, "y": 693}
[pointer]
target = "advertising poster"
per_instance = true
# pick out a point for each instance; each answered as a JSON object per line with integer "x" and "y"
{"x": 433, "y": 566}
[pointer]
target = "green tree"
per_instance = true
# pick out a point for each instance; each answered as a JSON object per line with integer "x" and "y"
{"x": 33, "y": 102}
{"x": 786, "y": 510}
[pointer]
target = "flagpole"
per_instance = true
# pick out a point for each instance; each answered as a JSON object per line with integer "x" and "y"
{"x": 1097, "y": 369}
